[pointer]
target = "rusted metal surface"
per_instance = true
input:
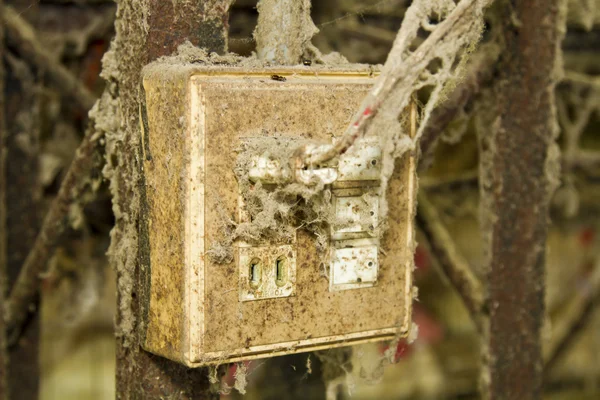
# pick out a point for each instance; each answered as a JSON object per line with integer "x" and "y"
{"x": 203, "y": 23}
{"x": 141, "y": 375}
{"x": 517, "y": 188}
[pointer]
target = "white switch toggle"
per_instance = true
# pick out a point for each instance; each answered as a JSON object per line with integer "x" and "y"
{"x": 355, "y": 214}
{"x": 311, "y": 174}
{"x": 362, "y": 162}
{"x": 266, "y": 169}
{"x": 353, "y": 266}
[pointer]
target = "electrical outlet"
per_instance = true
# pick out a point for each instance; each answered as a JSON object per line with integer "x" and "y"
{"x": 205, "y": 303}
{"x": 267, "y": 272}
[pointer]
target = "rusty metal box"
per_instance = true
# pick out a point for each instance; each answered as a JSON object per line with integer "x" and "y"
{"x": 198, "y": 312}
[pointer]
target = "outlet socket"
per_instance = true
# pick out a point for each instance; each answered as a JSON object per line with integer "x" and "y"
{"x": 267, "y": 272}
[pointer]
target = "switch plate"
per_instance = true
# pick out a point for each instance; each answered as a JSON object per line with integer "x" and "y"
{"x": 362, "y": 162}
{"x": 354, "y": 264}
{"x": 197, "y": 311}
{"x": 351, "y": 210}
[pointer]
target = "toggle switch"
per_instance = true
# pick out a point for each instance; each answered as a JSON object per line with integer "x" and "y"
{"x": 354, "y": 265}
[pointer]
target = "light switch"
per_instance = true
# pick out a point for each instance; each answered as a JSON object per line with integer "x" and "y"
{"x": 354, "y": 265}
{"x": 324, "y": 173}
{"x": 362, "y": 162}
{"x": 268, "y": 170}
{"x": 355, "y": 214}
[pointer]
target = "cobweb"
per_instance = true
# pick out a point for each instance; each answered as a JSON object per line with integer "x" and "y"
{"x": 426, "y": 61}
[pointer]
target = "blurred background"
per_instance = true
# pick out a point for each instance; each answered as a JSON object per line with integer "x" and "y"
{"x": 76, "y": 336}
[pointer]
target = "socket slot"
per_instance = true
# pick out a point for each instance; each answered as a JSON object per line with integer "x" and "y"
{"x": 280, "y": 271}
{"x": 255, "y": 273}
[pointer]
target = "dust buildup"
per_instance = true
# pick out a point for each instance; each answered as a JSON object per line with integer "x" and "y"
{"x": 274, "y": 212}
{"x": 364, "y": 363}
{"x": 344, "y": 368}
{"x": 187, "y": 54}
{"x": 332, "y": 58}
{"x": 284, "y": 31}
{"x": 421, "y": 67}
{"x": 121, "y": 142}
{"x": 336, "y": 366}
{"x": 240, "y": 376}
{"x": 219, "y": 386}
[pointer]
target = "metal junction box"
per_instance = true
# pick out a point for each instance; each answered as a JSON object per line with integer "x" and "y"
{"x": 269, "y": 299}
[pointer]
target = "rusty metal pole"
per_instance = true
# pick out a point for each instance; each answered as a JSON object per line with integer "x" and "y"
{"x": 519, "y": 170}
{"x": 145, "y": 33}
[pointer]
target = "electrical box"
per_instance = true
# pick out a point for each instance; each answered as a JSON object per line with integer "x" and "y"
{"x": 268, "y": 298}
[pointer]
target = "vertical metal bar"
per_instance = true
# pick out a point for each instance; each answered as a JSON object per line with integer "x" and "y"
{"x": 203, "y": 23}
{"x": 141, "y": 375}
{"x": 519, "y": 154}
